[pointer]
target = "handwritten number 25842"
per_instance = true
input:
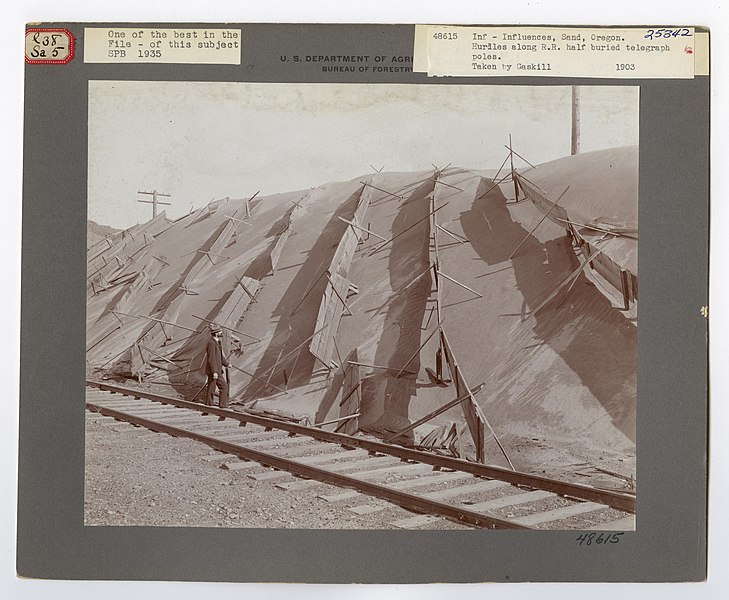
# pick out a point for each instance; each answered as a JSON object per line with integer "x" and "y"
{"x": 667, "y": 33}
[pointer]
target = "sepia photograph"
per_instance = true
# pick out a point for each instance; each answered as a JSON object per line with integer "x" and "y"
{"x": 350, "y": 306}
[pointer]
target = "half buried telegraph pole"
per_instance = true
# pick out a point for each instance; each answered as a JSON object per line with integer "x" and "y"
{"x": 575, "y": 146}
{"x": 154, "y": 202}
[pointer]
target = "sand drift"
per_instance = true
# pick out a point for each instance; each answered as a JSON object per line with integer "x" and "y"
{"x": 369, "y": 305}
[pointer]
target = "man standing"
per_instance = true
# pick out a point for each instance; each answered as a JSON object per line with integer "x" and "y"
{"x": 214, "y": 363}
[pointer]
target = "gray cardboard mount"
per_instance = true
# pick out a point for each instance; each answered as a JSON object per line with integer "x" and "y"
{"x": 52, "y": 542}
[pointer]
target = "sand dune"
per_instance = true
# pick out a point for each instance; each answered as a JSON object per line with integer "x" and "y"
{"x": 298, "y": 290}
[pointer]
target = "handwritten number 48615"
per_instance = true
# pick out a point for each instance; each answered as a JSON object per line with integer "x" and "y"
{"x": 667, "y": 33}
{"x": 587, "y": 539}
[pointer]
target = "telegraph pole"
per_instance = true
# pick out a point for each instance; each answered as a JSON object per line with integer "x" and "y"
{"x": 575, "y": 120}
{"x": 154, "y": 201}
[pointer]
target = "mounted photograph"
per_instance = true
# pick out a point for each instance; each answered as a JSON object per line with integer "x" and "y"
{"x": 362, "y": 307}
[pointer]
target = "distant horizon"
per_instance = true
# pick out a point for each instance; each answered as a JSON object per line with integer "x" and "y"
{"x": 200, "y": 141}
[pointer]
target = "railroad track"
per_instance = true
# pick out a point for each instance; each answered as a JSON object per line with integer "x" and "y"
{"x": 435, "y": 486}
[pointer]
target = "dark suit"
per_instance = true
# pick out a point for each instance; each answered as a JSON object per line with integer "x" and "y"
{"x": 214, "y": 363}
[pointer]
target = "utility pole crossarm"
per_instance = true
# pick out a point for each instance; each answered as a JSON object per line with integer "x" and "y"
{"x": 155, "y": 201}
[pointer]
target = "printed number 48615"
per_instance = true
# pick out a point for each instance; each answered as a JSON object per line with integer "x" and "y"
{"x": 588, "y": 539}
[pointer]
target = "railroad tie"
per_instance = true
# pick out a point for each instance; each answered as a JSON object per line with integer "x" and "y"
{"x": 241, "y": 437}
{"x": 397, "y": 469}
{"x": 367, "y": 462}
{"x": 298, "y": 484}
{"x": 368, "y": 509}
{"x": 341, "y": 496}
{"x": 239, "y": 465}
{"x": 437, "y": 477}
{"x": 559, "y": 513}
{"x": 312, "y": 448}
{"x": 282, "y": 440}
{"x": 624, "y": 524}
{"x": 479, "y": 486}
{"x": 214, "y": 457}
{"x": 334, "y": 456}
{"x": 414, "y": 522}
{"x": 512, "y": 500}
{"x": 266, "y": 475}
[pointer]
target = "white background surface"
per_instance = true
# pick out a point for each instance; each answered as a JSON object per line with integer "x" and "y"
{"x": 622, "y": 12}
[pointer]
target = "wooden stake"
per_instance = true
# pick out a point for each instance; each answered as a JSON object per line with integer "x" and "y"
{"x": 239, "y": 281}
{"x": 519, "y": 155}
{"x": 334, "y": 289}
{"x": 361, "y": 364}
{"x": 567, "y": 280}
{"x": 117, "y": 328}
{"x": 446, "y": 184}
{"x": 465, "y": 287}
{"x": 347, "y": 418}
{"x": 252, "y": 376}
{"x": 433, "y": 414}
{"x": 228, "y": 328}
{"x": 538, "y": 224}
{"x": 501, "y": 167}
{"x": 513, "y": 176}
{"x": 158, "y": 355}
{"x": 350, "y": 392}
{"x": 311, "y": 287}
{"x": 400, "y": 372}
{"x": 381, "y": 190}
{"x": 453, "y": 235}
{"x": 158, "y": 321}
{"x": 500, "y": 181}
{"x": 362, "y": 228}
{"x": 297, "y": 347}
{"x": 381, "y": 246}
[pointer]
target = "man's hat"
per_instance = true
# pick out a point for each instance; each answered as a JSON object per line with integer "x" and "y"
{"x": 215, "y": 328}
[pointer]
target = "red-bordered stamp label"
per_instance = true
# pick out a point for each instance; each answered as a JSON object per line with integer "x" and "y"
{"x": 48, "y": 46}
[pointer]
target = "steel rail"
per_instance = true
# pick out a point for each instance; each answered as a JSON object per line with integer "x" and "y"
{"x": 404, "y": 499}
{"x": 618, "y": 500}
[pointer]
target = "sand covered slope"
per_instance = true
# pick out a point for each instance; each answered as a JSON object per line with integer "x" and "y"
{"x": 329, "y": 302}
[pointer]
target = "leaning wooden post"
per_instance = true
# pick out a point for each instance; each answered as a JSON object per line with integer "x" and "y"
{"x": 551, "y": 208}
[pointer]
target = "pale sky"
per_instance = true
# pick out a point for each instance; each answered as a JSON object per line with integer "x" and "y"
{"x": 198, "y": 140}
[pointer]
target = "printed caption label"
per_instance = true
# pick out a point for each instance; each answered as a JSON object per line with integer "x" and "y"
{"x": 627, "y": 53}
{"x": 162, "y": 45}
